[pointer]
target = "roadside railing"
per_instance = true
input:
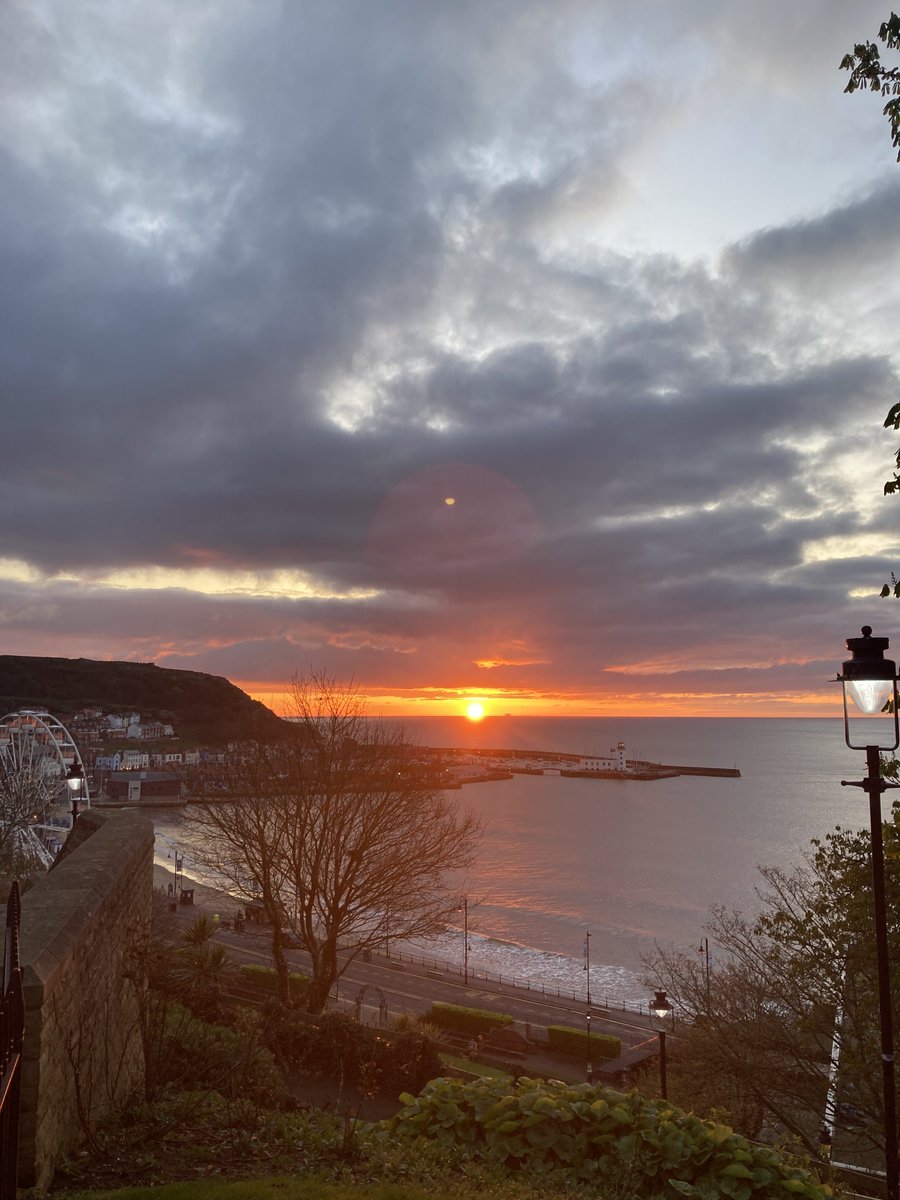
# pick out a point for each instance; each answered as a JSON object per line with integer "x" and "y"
{"x": 489, "y": 980}
{"x": 12, "y": 1031}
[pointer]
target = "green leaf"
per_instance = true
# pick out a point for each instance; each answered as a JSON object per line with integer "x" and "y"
{"x": 621, "y": 1114}
{"x": 737, "y": 1170}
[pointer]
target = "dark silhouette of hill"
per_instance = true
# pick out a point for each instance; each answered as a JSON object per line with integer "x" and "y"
{"x": 203, "y": 709}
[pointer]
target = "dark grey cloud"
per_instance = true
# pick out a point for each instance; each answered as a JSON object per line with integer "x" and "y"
{"x": 841, "y": 248}
{"x": 276, "y": 287}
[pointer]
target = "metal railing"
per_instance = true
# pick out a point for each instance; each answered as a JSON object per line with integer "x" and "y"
{"x": 12, "y": 1031}
{"x": 489, "y": 980}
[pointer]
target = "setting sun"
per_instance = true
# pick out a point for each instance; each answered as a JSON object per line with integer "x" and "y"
{"x": 475, "y": 712}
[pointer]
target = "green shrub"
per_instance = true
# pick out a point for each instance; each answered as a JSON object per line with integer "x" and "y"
{"x": 564, "y": 1134}
{"x": 234, "y": 1062}
{"x": 575, "y": 1041}
{"x": 335, "y": 1045}
{"x": 265, "y": 979}
{"x": 458, "y": 1019}
{"x": 410, "y": 1060}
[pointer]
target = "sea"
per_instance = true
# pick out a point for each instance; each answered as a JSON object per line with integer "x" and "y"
{"x": 636, "y": 865}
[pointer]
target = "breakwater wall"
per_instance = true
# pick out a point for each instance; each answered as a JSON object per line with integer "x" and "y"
{"x": 638, "y": 775}
{"x": 540, "y": 762}
{"x": 720, "y": 772}
{"x": 673, "y": 769}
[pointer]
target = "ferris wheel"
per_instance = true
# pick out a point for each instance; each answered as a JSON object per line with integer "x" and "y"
{"x": 38, "y": 757}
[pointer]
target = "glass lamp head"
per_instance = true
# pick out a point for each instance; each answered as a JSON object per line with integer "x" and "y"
{"x": 75, "y": 776}
{"x": 660, "y": 1007}
{"x": 869, "y": 680}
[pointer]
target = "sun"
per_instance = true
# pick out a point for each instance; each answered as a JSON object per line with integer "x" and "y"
{"x": 475, "y": 711}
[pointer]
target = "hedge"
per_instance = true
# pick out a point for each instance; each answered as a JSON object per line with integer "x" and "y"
{"x": 459, "y": 1019}
{"x": 266, "y": 979}
{"x": 575, "y": 1041}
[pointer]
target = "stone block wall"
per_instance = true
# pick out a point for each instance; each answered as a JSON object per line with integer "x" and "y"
{"x": 81, "y": 925}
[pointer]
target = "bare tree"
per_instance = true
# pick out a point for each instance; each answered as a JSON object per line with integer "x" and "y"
{"x": 338, "y": 834}
{"x": 754, "y": 1038}
{"x": 794, "y": 991}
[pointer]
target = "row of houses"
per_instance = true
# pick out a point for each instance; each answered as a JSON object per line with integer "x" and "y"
{"x": 130, "y": 775}
{"x": 92, "y": 726}
{"x": 144, "y": 760}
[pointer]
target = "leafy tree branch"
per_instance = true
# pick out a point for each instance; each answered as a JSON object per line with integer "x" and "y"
{"x": 867, "y": 71}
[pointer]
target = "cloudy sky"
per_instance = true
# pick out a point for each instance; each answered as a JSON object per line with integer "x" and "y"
{"x": 535, "y": 352}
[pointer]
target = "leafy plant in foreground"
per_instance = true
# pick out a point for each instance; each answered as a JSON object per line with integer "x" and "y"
{"x": 566, "y": 1133}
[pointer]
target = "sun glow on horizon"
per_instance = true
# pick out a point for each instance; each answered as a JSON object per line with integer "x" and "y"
{"x": 412, "y": 702}
{"x": 475, "y": 711}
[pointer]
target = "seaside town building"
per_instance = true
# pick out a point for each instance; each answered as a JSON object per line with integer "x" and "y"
{"x": 153, "y": 787}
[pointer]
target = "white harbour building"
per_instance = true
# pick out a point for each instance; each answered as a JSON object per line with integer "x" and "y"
{"x": 614, "y": 761}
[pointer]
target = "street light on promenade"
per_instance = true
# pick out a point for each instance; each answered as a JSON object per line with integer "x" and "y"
{"x": 179, "y": 867}
{"x": 660, "y": 1018}
{"x": 464, "y": 909}
{"x": 587, "y": 1015}
{"x": 870, "y": 681}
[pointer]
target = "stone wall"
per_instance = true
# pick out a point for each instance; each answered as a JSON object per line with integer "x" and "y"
{"x": 81, "y": 925}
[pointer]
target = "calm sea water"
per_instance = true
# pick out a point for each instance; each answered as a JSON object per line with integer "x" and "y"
{"x": 634, "y": 863}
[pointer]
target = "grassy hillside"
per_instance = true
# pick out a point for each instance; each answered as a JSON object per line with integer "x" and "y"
{"x": 202, "y": 708}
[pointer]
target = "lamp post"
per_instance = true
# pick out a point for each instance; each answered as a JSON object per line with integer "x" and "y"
{"x": 587, "y": 1016}
{"x": 703, "y": 951}
{"x": 75, "y": 778}
{"x": 179, "y": 866}
{"x": 466, "y": 936}
{"x": 870, "y": 680}
{"x": 660, "y": 1015}
{"x": 464, "y": 909}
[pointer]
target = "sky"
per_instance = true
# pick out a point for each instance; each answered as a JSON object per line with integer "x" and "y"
{"x": 534, "y": 354}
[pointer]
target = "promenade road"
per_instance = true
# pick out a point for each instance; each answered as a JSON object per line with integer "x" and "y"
{"x": 410, "y": 987}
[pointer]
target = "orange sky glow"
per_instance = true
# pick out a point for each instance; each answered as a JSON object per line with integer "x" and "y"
{"x": 424, "y": 703}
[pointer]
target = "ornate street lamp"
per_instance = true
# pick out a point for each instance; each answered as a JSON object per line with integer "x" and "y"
{"x": 870, "y": 681}
{"x": 660, "y": 1020}
{"x": 75, "y": 778}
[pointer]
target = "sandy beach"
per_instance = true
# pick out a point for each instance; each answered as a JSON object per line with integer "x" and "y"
{"x": 209, "y": 899}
